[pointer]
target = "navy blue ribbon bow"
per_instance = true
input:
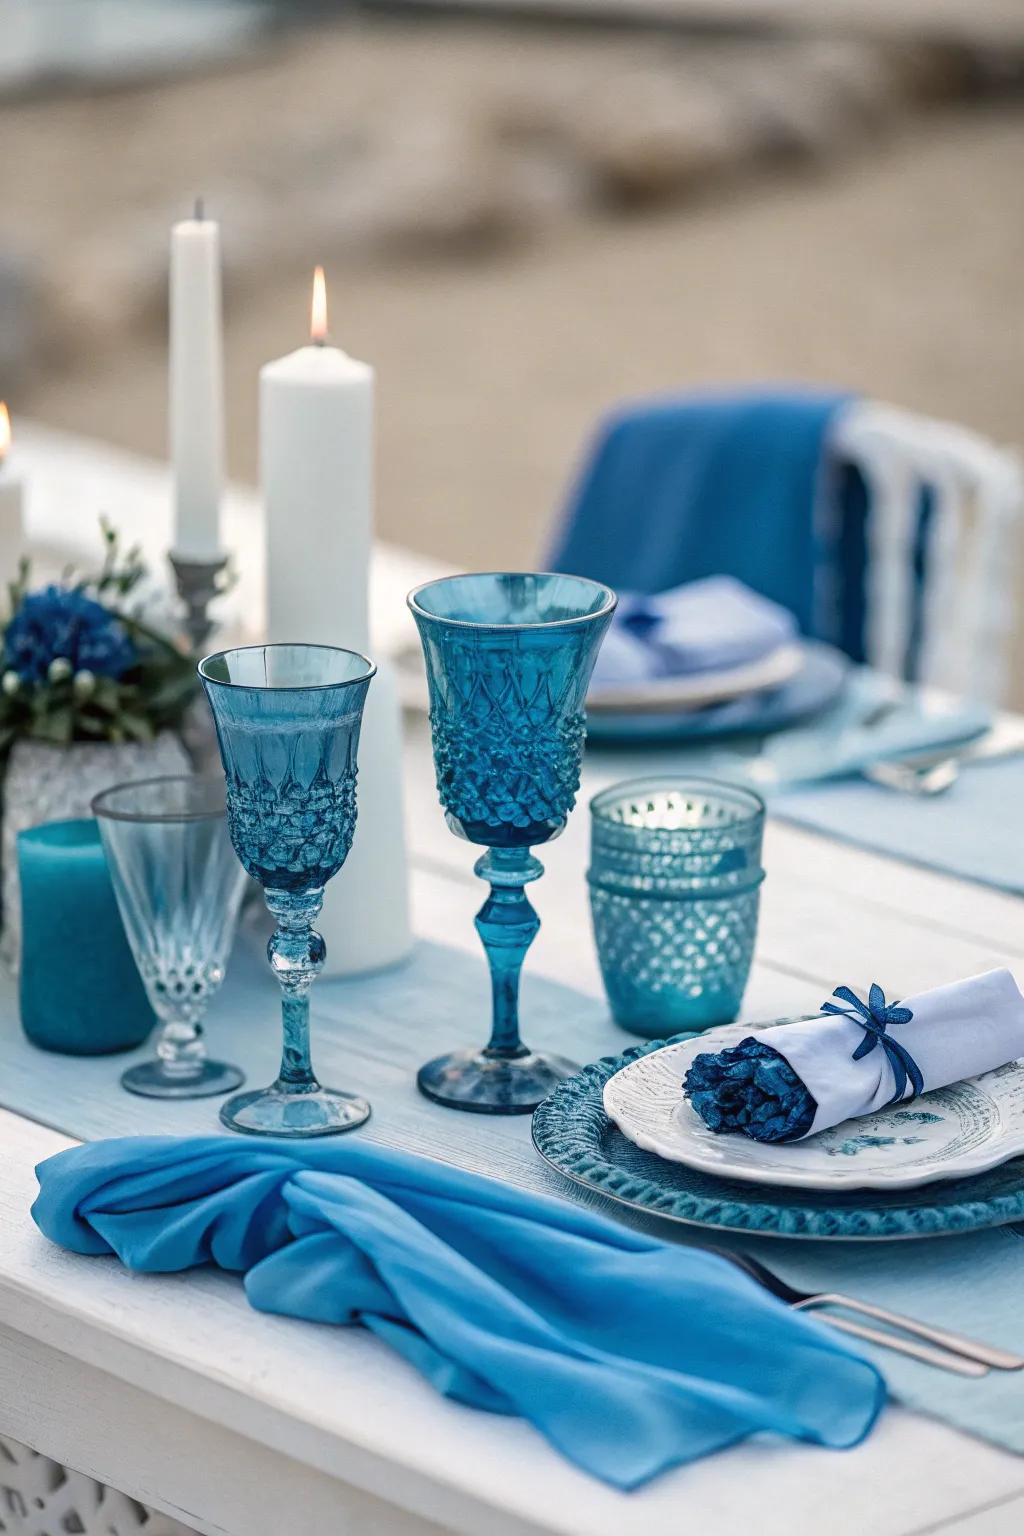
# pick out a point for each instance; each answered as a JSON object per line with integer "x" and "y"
{"x": 874, "y": 1017}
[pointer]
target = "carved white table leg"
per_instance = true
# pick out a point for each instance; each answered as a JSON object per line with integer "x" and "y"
{"x": 39, "y": 1497}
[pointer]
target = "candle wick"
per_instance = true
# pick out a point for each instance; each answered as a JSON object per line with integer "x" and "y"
{"x": 200, "y": 210}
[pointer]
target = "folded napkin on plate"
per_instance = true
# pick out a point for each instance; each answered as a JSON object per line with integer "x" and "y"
{"x": 702, "y": 626}
{"x": 857, "y": 1057}
{"x": 630, "y": 1355}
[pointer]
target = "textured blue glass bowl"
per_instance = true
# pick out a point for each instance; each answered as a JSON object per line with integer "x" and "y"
{"x": 675, "y": 879}
{"x": 287, "y": 719}
{"x": 509, "y": 657}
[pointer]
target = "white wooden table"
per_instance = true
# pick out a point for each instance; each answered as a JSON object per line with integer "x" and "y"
{"x": 174, "y": 1391}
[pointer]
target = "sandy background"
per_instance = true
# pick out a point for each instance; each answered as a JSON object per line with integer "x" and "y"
{"x": 892, "y": 266}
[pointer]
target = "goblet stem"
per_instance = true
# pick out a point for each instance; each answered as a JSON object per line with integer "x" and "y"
{"x": 181, "y": 1047}
{"x": 507, "y": 925}
{"x": 181, "y": 1069}
{"x": 296, "y": 953}
{"x": 506, "y": 1077}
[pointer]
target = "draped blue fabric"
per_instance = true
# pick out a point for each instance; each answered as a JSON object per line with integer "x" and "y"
{"x": 630, "y": 1355}
{"x": 675, "y": 489}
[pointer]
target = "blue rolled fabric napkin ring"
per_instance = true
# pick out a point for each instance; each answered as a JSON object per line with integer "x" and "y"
{"x": 856, "y": 1057}
{"x": 79, "y": 988}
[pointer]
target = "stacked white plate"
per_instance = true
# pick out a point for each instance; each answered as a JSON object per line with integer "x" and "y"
{"x": 698, "y": 690}
{"x": 665, "y": 695}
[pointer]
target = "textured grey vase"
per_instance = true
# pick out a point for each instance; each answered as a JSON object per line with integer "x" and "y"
{"x": 45, "y": 783}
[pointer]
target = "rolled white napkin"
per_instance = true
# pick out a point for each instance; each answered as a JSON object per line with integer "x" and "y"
{"x": 957, "y": 1031}
{"x": 936, "y": 1038}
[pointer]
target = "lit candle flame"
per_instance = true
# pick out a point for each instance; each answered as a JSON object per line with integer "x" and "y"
{"x": 318, "y": 310}
{"x": 5, "y": 431}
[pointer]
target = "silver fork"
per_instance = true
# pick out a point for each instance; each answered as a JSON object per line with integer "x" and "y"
{"x": 932, "y": 1346}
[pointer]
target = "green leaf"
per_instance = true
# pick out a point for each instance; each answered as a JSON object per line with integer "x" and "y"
{"x": 56, "y": 725}
{"x": 106, "y": 695}
{"x": 88, "y": 725}
{"x": 136, "y": 727}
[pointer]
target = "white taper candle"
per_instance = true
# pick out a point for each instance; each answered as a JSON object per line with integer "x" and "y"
{"x": 196, "y": 386}
{"x": 12, "y": 511}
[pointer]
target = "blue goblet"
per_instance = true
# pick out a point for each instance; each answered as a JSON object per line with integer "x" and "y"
{"x": 509, "y": 658}
{"x": 287, "y": 719}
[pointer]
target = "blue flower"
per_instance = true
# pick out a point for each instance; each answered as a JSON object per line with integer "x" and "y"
{"x": 61, "y": 622}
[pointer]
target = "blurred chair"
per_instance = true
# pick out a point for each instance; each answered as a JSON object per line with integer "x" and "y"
{"x": 890, "y": 535}
{"x": 942, "y": 555}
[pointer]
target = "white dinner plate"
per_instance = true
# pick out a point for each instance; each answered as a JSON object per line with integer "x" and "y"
{"x": 947, "y": 1134}
{"x": 697, "y": 690}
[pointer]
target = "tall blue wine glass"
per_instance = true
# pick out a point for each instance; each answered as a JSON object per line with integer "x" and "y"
{"x": 509, "y": 658}
{"x": 287, "y": 719}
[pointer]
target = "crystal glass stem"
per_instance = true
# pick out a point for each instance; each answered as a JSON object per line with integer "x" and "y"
{"x": 180, "y": 1045}
{"x": 296, "y": 953}
{"x": 507, "y": 925}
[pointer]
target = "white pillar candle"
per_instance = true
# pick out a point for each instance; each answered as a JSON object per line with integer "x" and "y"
{"x": 196, "y": 386}
{"x": 316, "y": 459}
{"x": 12, "y": 511}
{"x": 316, "y": 453}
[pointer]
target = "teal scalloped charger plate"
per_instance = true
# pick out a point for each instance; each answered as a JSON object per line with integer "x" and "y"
{"x": 574, "y": 1135}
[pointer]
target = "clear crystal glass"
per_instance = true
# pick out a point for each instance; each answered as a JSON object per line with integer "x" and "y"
{"x": 287, "y": 719}
{"x": 509, "y": 658}
{"x": 178, "y": 889}
{"x": 675, "y": 883}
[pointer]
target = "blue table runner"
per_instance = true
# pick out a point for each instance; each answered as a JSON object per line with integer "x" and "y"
{"x": 368, "y": 1035}
{"x": 974, "y": 830}
{"x": 809, "y": 775}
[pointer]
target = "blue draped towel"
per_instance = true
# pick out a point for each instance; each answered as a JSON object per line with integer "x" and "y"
{"x": 630, "y": 1355}
{"x": 680, "y": 488}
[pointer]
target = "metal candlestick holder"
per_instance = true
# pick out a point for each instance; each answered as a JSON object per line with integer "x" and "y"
{"x": 199, "y": 582}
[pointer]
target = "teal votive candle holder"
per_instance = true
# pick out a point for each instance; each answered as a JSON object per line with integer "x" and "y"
{"x": 79, "y": 987}
{"x": 675, "y": 883}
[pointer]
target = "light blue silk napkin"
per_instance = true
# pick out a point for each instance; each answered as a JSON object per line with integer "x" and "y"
{"x": 630, "y": 1355}
{"x": 702, "y": 626}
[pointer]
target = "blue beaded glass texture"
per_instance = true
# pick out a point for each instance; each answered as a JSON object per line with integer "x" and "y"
{"x": 509, "y": 658}
{"x": 675, "y": 883}
{"x": 287, "y": 719}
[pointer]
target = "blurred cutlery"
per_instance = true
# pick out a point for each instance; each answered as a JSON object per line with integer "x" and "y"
{"x": 932, "y": 773}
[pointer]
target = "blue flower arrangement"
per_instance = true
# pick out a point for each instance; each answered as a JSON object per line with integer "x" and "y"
{"x": 75, "y": 665}
{"x": 61, "y": 628}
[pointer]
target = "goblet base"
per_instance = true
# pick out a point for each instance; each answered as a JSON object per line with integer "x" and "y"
{"x": 281, "y": 1111}
{"x": 152, "y": 1080}
{"x": 486, "y": 1084}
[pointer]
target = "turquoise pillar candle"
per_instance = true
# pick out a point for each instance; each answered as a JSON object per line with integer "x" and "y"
{"x": 80, "y": 991}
